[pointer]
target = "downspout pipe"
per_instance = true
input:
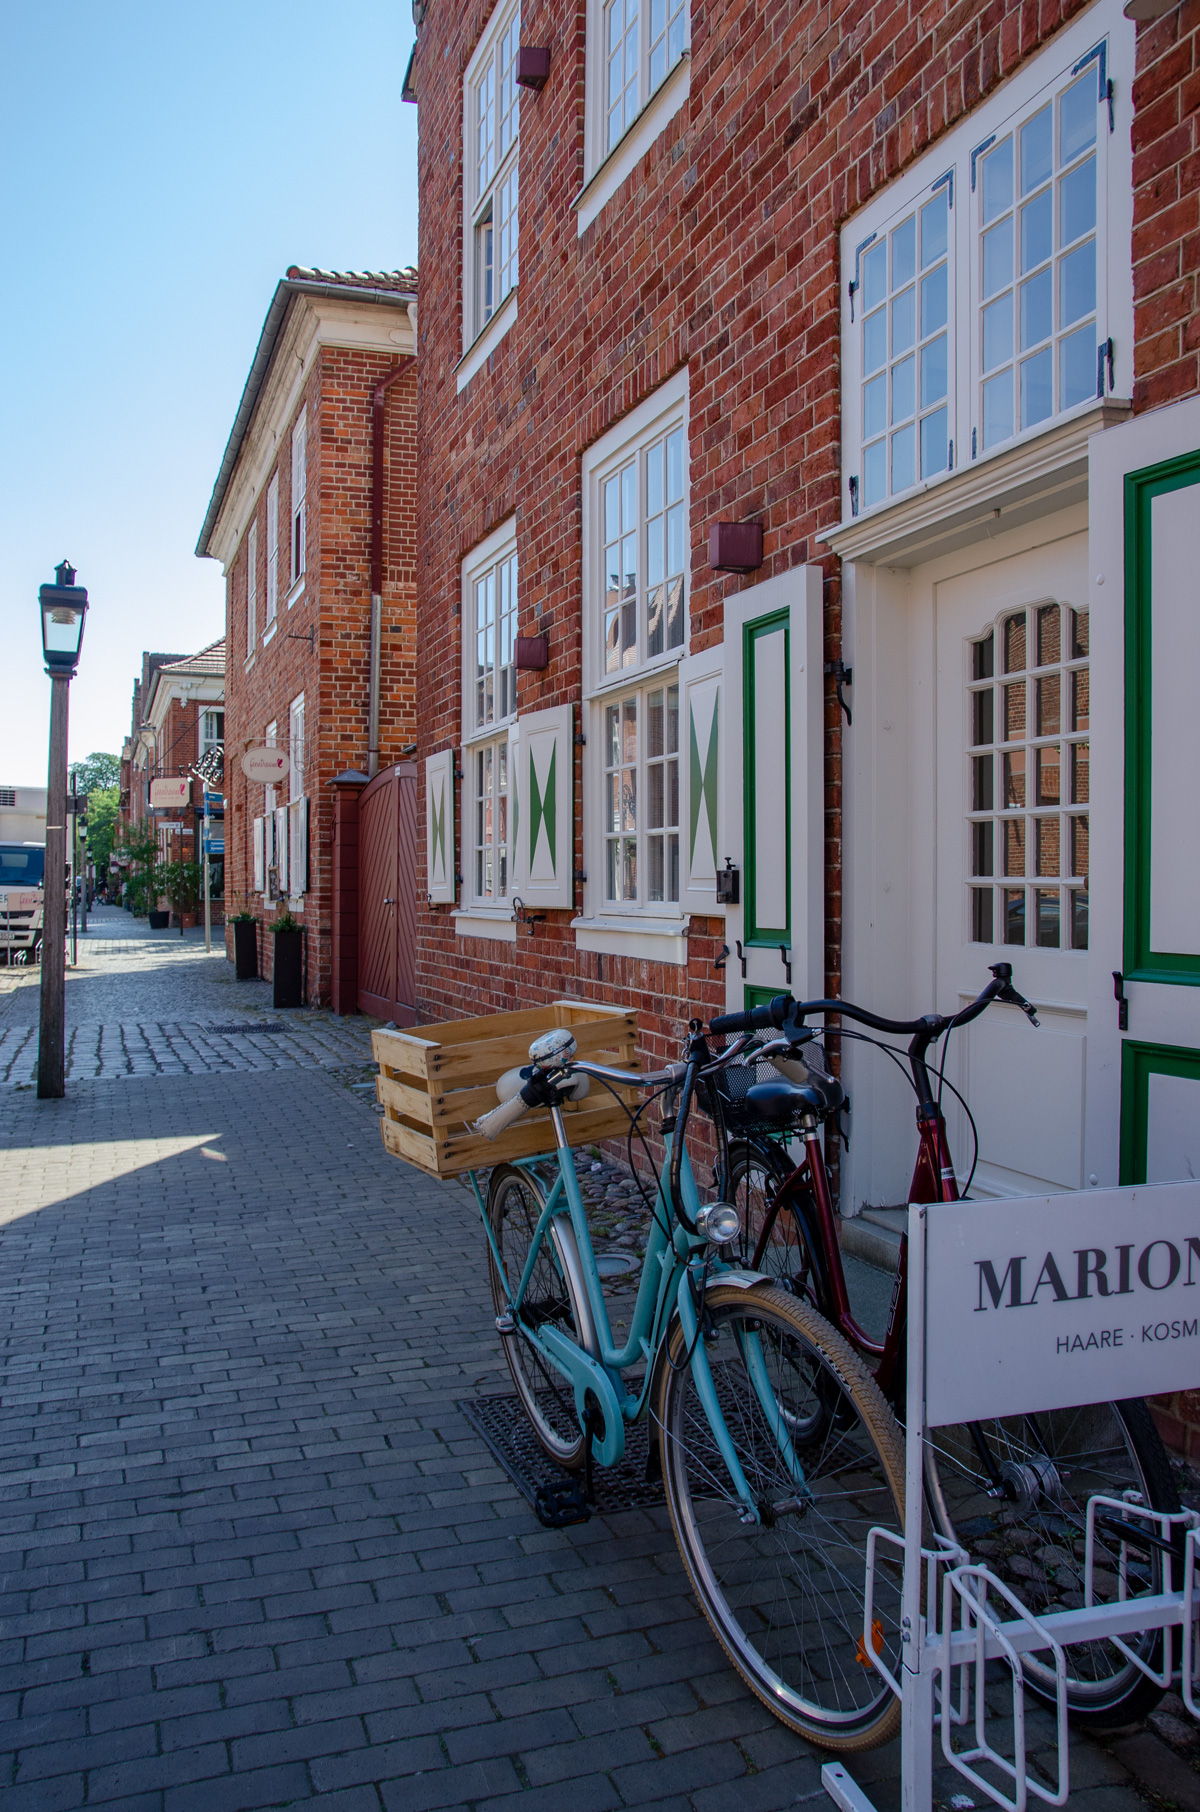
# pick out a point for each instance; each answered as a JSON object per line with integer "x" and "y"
{"x": 378, "y": 424}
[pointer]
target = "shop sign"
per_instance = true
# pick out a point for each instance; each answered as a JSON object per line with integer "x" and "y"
{"x": 1043, "y": 1302}
{"x": 170, "y": 792}
{"x": 265, "y": 765}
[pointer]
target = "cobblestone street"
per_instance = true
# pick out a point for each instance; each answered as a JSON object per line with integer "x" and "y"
{"x": 251, "y": 1552}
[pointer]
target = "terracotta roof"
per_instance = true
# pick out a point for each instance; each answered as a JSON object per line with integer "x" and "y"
{"x": 403, "y": 281}
{"x": 395, "y": 289}
{"x": 209, "y": 660}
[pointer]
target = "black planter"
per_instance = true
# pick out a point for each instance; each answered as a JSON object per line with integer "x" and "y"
{"x": 245, "y": 949}
{"x": 289, "y": 961}
{"x": 159, "y": 921}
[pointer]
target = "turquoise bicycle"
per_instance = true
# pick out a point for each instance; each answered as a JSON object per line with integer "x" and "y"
{"x": 777, "y": 1450}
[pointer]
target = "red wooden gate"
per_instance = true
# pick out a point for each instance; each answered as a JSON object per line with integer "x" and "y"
{"x": 387, "y": 874}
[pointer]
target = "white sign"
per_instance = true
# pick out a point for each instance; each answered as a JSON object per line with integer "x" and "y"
{"x": 20, "y": 899}
{"x": 1044, "y": 1302}
{"x": 265, "y": 765}
{"x": 170, "y": 792}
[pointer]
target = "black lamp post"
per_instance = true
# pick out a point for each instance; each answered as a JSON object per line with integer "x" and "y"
{"x": 64, "y": 607}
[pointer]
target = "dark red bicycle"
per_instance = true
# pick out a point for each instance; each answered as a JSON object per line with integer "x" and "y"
{"x": 1014, "y": 1491}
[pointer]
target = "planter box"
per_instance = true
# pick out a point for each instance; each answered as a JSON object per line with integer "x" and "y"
{"x": 435, "y": 1079}
{"x": 288, "y": 969}
{"x": 245, "y": 950}
{"x": 159, "y": 921}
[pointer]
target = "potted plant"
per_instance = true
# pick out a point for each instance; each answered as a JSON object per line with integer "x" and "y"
{"x": 245, "y": 945}
{"x": 140, "y": 850}
{"x": 289, "y": 960}
{"x": 182, "y": 883}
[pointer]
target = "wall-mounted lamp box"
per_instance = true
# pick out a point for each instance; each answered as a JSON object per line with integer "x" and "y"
{"x": 532, "y": 652}
{"x": 533, "y": 65}
{"x": 727, "y": 884}
{"x": 735, "y": 547}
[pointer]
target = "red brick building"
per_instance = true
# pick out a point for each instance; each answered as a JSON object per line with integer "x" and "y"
{"x": 312, "y": 517}
{"x": 177, "y": 728}
{"x": 813, "y": 335}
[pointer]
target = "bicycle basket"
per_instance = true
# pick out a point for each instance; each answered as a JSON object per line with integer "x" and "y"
{"x": 723, "y": 1096}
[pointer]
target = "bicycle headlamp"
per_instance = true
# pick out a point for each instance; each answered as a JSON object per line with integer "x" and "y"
{"x": 719, "y": 1222}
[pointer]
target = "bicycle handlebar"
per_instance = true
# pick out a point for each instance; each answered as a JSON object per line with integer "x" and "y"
{"x": 784, "y": 1011}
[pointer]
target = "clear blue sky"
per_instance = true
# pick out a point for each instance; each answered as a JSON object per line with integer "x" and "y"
{"x": 160, "y": 167}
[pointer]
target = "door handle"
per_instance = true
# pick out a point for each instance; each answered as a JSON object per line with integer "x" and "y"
{"x": 389, "y": 902}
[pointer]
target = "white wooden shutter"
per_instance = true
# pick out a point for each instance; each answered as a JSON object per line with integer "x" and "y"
{"x": 514, "y": 810}
{"x": 439, "y": 827}
{"x": 701, "y": 805}
{"x": 260, "y": 856}
{"x": 546, "y": 808}
{"x": 298, "y": 850}
{"x": 281, "y": 847}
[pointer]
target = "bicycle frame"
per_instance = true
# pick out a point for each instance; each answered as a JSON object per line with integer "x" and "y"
{"x": 672, "y": 1257}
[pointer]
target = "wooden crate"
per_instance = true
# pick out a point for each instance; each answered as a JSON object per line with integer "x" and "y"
{"x": 435, "y": 1079}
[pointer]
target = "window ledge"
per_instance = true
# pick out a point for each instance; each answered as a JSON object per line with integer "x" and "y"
{"x": 249, "y": 661}
{"x": 269, "y": 633}
{"x": 608, "y": 176}
{"x": 653, "y": 940}
{"x": 486, "y": 921}
{"x": 986, "y": 497}
{"x": 486, "y": 341}
{"x": 297, "y": 592}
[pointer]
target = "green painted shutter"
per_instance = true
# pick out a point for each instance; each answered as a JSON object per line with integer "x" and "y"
{"x": 767, "y": 808}
{"x": 702, "y": 818}
{"x": 544, "y": 809}
{"x": 439, "y": 827}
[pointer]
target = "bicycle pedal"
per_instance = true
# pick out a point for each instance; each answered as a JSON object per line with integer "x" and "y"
{"x": 558, "y": 1506}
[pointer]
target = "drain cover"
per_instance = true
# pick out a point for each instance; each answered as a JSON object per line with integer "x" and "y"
{"x": 616, "y": 1264}
{"x": 502, "y": 1424}
{"x": 231, "y": 1031}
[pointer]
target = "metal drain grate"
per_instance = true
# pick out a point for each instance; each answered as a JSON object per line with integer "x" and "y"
{"x": 501, "y": 1423}
{"x": 231, "y": 1031}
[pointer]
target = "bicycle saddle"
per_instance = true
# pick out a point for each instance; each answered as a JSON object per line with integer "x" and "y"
{"x": 783, "y": 1101}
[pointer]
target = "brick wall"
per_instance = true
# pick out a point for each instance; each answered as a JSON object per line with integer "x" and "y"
{"x": 1166, "y": 209}
{"x": 719, "y": 253}
{"x": 335, "y": 604}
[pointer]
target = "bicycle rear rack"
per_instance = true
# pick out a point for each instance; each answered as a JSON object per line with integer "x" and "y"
{"x": 963, "y": 1629}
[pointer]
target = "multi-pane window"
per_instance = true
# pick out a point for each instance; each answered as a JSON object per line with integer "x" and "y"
{"x": 272, "y": 552}
{"x": 641, "y": 796}
{"x": 493, "y": 119}
{"x": 495, "y": 642}
{"x": 645, "y": 537}
{"x": 296, "y": 746}
{"x": 1028, "y": 789}
{"x": 299, "y": 493}
{"x": 491, "y": 829}
{"x": 904, "y": 285}
{"x": 643, "y": 41}
{"x": 251, "y": 587}
{"x": 1037, "y": 266}
{"x": 212, "y": 731}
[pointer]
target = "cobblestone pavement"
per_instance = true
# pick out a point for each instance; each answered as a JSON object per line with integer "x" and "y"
{"x": 251, "y": 1553}
{"x": 143, "y": 1003}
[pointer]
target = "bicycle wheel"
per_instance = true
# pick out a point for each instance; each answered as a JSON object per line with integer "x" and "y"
{"x": 776, "y": 1246}
{"x": 1033, "y": 1538}
{"x": 553, "y": 1296}
{"x": 785, "y": 1596}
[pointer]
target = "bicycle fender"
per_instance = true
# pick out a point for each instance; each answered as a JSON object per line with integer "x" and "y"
{"x": 586, "y": 1377}
{"x": 739, "y": 1279}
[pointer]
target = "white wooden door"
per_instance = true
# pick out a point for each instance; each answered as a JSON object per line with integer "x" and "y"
{"x": 1011, "y": 646}
{"x": 1144, "y": 1077}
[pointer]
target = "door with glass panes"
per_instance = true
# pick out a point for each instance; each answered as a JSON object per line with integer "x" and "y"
{"x": 1011, "y": 641}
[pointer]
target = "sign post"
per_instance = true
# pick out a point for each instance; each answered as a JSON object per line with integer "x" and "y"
{"x": 1020, "y": 1308}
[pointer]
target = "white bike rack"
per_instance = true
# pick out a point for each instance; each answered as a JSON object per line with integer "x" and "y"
{"x": 957, "y": 1615}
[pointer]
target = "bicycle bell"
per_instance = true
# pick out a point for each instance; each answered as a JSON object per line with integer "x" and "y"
{"x": 552, "y": 1048}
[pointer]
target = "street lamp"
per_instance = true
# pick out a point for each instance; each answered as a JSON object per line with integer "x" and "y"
{"x": 63, "y": 606}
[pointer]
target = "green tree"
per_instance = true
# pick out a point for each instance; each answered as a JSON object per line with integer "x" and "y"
{"x": 97, "y": 773}
{"x": 103, "y": 805}
{"x": 141, "y": 890}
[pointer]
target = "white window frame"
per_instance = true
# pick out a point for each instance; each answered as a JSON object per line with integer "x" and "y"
{"x": 252, "y": 589}
{"x": 493, "y": 563}
{"x": 491, "y": 156}
{"x": 607, "y": 165}
{"x": 1073, "y": 55}
{"x": 644, "y": 429}
{"x": 296, "y": 748}
{"x": 297, "y": 540}
{"x": 272, "y": 599}
{"x": 207, "y": 742}
{"x": 270, "y": 804}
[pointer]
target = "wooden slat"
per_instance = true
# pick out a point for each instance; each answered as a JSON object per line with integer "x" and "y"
{"x": 455, "y": 1108}
{"x": 488, "y": 1058}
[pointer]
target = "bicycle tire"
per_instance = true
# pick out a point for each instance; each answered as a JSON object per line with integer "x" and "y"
{"x": 515, "y": 1199}
{"x": 756, "y": 1170}
{"x": 785, "y": 1599}
{"x": 1037, "y": 1547}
